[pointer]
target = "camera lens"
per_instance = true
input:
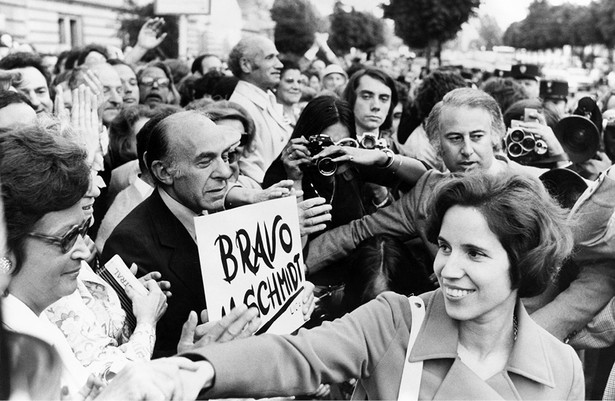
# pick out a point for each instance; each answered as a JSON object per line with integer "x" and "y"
{"x": 578, "y": 140}
{"x": 368, "y": 142}
{"x": 517, "y": 135}
{"x": 515, "y": 150}
{"x": 326, "y": 166}
{"x": 528, "y": 143}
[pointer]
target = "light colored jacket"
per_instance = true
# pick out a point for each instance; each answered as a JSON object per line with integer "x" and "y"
{"x": 370, "y": 343}
{"x": 272, "y": 130}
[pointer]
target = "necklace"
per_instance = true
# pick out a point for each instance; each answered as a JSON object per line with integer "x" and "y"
{"x": 515, "y": 327}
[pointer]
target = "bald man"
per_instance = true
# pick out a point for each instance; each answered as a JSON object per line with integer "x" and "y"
{"x": 188, "y": 157}
{"x": 254, "y": 60}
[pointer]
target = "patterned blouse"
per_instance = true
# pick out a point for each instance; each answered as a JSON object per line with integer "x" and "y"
{"x": 93, "y": 322}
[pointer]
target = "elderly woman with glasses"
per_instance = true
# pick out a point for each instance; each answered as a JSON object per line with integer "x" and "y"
{"x": 45, "y": 180}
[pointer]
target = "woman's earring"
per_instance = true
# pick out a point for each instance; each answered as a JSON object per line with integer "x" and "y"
{"x": 5, "y": 265}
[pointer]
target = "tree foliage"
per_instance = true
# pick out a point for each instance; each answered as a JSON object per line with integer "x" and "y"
{"x": 489, "y": 32}
{"x": 354, "y": 29}
{"x": 547, "y": 26}
{"x": 426, "y": 24}
{"x": 131, "y": 23}
{"x": 296, "y": 23}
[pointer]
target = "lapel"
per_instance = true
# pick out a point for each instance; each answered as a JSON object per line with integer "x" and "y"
{"x": 460, "y": 383}
{"x": 262, "y": 101}
{"x": 177, "y": 246}
{"x": 438, "y": 339}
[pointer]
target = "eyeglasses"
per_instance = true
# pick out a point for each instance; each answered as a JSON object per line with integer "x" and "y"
{"x": 149, "y": 81}
{"x": 67, "y": 241}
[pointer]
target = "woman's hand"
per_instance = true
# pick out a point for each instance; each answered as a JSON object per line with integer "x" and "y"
{"x": 241, "y": 322}
{"x": 149, "y": 308}
{"x": 294, "y": 156}
{"x": 364, "y": 157}
{"x": 278, "y": 190}
{"x": 314, "y": 214}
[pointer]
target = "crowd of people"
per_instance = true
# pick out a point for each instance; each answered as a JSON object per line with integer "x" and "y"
{"x": 456, "y": 226}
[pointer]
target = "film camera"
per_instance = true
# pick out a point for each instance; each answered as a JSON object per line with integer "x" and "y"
{"x": 371, "y": 141}
{"x": 523, "y": 146}
{"x": 579, "y": 133}
{"x": 325, "y": 165}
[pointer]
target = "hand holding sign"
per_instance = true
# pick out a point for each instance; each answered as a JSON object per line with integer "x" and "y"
{"x": 314, "y": 214}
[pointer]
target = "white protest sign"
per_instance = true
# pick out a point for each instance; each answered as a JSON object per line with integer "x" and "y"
{"x": 252, "y": 255}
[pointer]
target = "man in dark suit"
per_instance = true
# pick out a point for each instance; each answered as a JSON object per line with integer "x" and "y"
{"x": 188, "y": 156}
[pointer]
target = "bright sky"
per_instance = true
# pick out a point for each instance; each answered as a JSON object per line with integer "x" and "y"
{"x": 504, "y": 11}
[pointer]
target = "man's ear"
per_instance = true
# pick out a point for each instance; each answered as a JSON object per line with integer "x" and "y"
{"x": 246, "y": 65}
{"x": 162, "y": 172}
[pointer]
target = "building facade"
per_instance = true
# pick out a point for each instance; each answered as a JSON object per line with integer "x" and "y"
{"x": 51, "y": 26}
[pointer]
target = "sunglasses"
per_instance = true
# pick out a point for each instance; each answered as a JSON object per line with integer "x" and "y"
{"x": 67, "y": 241}
{"x": 149, "y": 81}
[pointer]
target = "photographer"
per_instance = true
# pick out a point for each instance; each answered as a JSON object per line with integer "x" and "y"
{"x": 537, "y": 122}
{"x": 332, "y": 164}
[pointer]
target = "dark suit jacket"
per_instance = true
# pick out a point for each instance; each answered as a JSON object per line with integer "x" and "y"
{"x": 153, "y": 238}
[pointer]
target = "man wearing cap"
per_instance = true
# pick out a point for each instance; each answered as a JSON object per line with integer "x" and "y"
{"x": 498, "y": 73}
{"x": 334, "y": 78}
{"x": 528, "y": 75}
{"x": 554, "y": 93}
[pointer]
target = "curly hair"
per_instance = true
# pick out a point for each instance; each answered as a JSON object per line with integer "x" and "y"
{"x": 43, "y": 170}
{"x": 433, "y": 88}
{"x": 505, "y": 91}
{"x": 470, "y": 98}
{"x": 527, "y": 221}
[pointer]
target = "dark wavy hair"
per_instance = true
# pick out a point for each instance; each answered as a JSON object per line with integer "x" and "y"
{"x": 527, "y": 221}
{"x": 433, "y": 88}
{"x": 43, "y": 170}
{"x": 350, "y": 92}
{"x": 505, "y": 91}
{"x": 121, "y": 134}
{"x": 92, "y": 47}
{"x": 22, "y": 60}
{"x": 323, "y": 112}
